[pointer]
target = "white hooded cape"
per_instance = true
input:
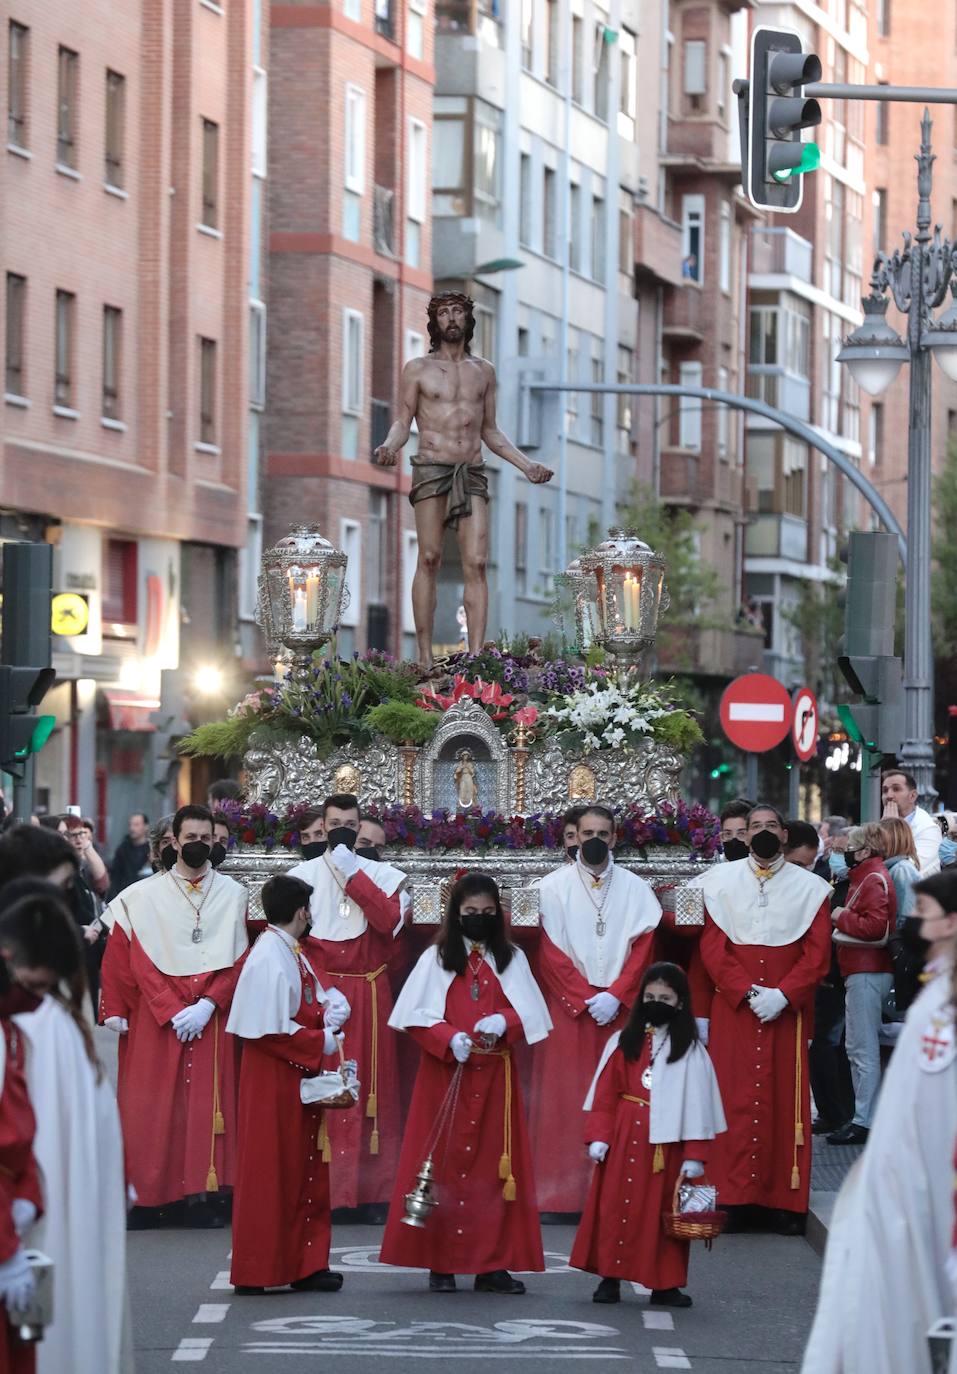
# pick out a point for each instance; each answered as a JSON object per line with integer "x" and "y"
{"x": 884, "y": 1281}
{"x": 269, "y": 990}
{"x": 422, "y": 999}
{"x": 629, "y": 909}
{"x": 158, "y": 913}
{"x": 328, "y": 884}
{"x": 685, "y": 1101}
{"x": 732, "y": 893}
{"x": 79, "y": 1149}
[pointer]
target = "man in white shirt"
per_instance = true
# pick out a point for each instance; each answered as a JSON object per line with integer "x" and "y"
{"x": 899, "y": 798}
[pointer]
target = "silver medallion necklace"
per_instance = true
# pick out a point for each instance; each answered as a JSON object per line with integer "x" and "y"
{"x": 345, "y": 908}
{"x": 196, "y": 935}
{"x": 600, "y": 925}
{"x": 646, "y": 1075}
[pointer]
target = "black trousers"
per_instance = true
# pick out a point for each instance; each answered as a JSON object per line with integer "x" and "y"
{"x": 828, "y": 1066}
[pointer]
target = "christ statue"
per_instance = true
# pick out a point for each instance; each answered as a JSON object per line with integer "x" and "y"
{"x": 451, "y": 396}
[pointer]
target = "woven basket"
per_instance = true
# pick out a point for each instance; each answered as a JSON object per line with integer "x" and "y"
{"x": 692, "y": 1225}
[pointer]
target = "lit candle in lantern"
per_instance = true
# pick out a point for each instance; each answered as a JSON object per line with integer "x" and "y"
{"x": 299, "y": 609}
{"x": 312, "y": 598}
{"x": 630, "y": 592}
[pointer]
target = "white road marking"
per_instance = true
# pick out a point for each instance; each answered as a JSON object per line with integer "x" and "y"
{"x": 658, "y": 1321}
{"x": 192, "y": 1349}
{"x": 221, "y": 1280}
{"x": 755, "y": 710}
{"x": 670, "y": 1358}
{"x": 211, "y": 1312}
{"x": 518, "y": 1339}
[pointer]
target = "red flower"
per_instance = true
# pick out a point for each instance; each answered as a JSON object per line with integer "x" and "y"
{"x": 249, "y": 837}
{"x": 528, "y": 715}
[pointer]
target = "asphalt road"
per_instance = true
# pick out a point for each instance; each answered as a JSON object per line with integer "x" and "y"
{"x": 754, "y": 1298}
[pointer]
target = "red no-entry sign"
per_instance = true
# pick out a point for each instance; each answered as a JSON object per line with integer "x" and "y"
{"x": 756, "y": 712}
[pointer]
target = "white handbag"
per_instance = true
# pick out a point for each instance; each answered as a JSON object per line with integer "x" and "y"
{"x": 840, "y": 938}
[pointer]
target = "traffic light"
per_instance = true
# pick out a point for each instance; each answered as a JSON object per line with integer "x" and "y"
{"x": 22, "y": 731}
{"x": 777, "y": 158}
{"x": 25, "y": 672}
{"x": 867, "y": 661}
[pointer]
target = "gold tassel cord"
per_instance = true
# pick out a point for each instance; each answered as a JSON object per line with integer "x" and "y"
{"x": 322, "y": 1141}
{"x": 374, "y": 1143}
{"x": 219, "y": 1125}
{"x": 798, "y": 1086}
{"x": 510, "y": 1188}
{"x": 372, "y": 1101}
{"x": 658, "y": 1162}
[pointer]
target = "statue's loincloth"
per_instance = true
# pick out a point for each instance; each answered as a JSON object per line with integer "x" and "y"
{"x": 459, "y": 481}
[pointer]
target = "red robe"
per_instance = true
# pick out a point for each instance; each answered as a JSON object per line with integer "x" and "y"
{"x": 281, "y": 1228}
{"x": 764, "y": 1157}
{"x": 167, "y": 1090}
{"x": 563, "y": 1067}
{"x": 18, "y": 1178}
{"x": 621, "y": 1235}
{"x": 473, "y": 1230}
{"x": 364, "y": 1144}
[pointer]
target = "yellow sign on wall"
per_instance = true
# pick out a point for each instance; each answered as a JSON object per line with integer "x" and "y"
{"x": 69, "y": 614}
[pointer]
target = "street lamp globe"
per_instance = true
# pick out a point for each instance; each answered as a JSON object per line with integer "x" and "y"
{"x": 874, "y": 353}
{"x": 941, "y": 339}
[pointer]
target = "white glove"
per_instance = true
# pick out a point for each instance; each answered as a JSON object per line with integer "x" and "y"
{"x": 24, "y": 1214}
{"x": 118, "y": 1024}
{"x": 491, "y": 1025}
{"x": 769, "y": 1003}
{"x": 336, "y": 1011}
{"x": 704, "y": 1028}
{"x": 597, "y": 1151}
{"x": 17, "y": 1283}
{"x": 461, "y": 1046}
{"x": 603, "y": 1007}
{"x": 190, "y": 1023}
{"x": 692, "y": 1168}
{"x": 345, "y": 860}
{"x": 331, "y": 1043}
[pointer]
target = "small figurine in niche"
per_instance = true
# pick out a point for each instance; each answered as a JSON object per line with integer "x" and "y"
{"x": 466, "y": 786}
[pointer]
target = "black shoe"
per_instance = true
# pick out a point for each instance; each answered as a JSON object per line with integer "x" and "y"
{"x": 669, "y": 1297}
{"x": 441, "y": 1283}
{"x": 822, "y": 1127}
{"x": 737, "y": 1220}
{"x": 372, "y": 1213}
{"x": 202, "y": 1216}
{"x": 785, "y": 1223}
{"x": 609, "y": 1290}
{"x": 498, "y": 1281}
{"x": 851, "y": 1134}
{"x": 322, "y": 1281}
{"x": 247, "y": 1290}
{"x": 144, "y": 1218}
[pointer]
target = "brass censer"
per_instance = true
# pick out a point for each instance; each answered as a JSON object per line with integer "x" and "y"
{"x": 421, "y": 1202}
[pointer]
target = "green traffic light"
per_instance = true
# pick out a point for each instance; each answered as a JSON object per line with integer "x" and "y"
{"x": 810, "y": 161}
{"x": 41, "y": 733}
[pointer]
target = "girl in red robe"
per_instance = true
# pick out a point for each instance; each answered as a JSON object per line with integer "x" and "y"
{"x": 470, "y": 998}
{"x": 651, "y": 1114}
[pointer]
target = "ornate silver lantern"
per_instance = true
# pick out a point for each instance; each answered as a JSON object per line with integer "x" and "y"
{"x": 627, "y": 592}
{"x": 580, "y": 586}
{"x": 302, "y": 593}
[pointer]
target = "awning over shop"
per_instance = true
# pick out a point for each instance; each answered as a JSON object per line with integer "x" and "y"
{"x": 130, "y": 710}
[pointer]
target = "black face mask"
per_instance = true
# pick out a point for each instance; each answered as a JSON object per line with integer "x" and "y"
{"x": 313, "y": 849}
{"x": 851, "y": 858}
{"x": 572, "y": 851}
{"x": 477, "y": 926}
{"x": 217, "y": 854}
{"x": 766, "y": 845}
{"x": 341, "y": 834}
{"x": 911, "y": 940}
{"x": 734, "y": 849}
{"x": 168, "y": 856}
{"x": 594, "y": 851}
{"x": 195, "y": 853}
{"x": 369, "y": 851}
{"x": 658, "y": 1013}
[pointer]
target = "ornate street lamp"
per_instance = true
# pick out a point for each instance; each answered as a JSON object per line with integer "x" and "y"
{"x": 302, "y": 594}
{"x": 918, "y": 277}
{"x": 625, "y": 593}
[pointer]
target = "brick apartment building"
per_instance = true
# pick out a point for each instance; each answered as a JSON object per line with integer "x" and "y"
{"x": 350, "y": 253}
{"x": 128, "y": 246}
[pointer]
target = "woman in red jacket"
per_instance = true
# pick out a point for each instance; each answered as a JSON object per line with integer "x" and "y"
{"x": 861, "y": 930}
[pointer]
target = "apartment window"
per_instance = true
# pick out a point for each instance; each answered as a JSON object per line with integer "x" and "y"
{"x": 695, "y": 71}
{"x": 207, "y": 391}
{"x": 521, "y": 546}
{"x": 626, "y": 246}
{"x": 16, "y": 315}
{"x": 600, "y": 80}
{"x": 598, "y": 238}
{"x": 879, "y": 218}
{"x": 415, "y": 29}
{"x": 578, "y": 59}
{"x": 574, "y": 227}
{"x": 18, "y": 38}
{"x": 416, "y": 191}
{"x": 624, "y": 401}
{"x": 549, "y": 232}
{"x": 119, "y": 605}
{"x": 355, "y": 138}
{"x": 689, "y": 409}
{"x": 546, "y": 545}
{"x": 552, "y": 54}
{"x": 68, "y": 68}
{"x": 377, "y": 556}
{"x": 522, "y": 342}
{"x": 692, "y": 238}
{"x": 883, "y": 18}
{"x": 210, "y": 219}
{"x": 724, "y": 248}
{"x": 352, "y": 379}
{"x": 352, "y": 9}
{"x": 487, "y": 160}
{"x": 724, "y": 84}
{"x": 883, "y": 123}
{"x": 350, "y": 541}
{"x": 527, "y": 20}
{"x": 597, "y": 420}
{"x": 794, "y": 478}
{"x": 724, "y": 416}
{"x": 875, "y": 433}
{"x": 112, "y": 361}
{"x": 260, "y": 117}
{"x": 63, "y": 364}
{"x": 525, "y": 199}
{"x": 115, "y": 129}
{"x": 572, "y": 367}
{"x": 257, "y": 353}
{"x": 628, "y": 91}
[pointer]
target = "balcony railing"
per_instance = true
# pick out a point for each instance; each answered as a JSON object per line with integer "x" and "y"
{"x": 780, "y": 252}
{"x": 380, "y": 422}
{"x": 385, "y": 18}
{"x": 479, "y": 17}
{"x": 383, "y": 220}
{"x": 778, "y": 388}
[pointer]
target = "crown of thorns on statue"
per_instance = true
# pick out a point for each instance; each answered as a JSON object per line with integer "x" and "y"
{"x": 451, "y": 298}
